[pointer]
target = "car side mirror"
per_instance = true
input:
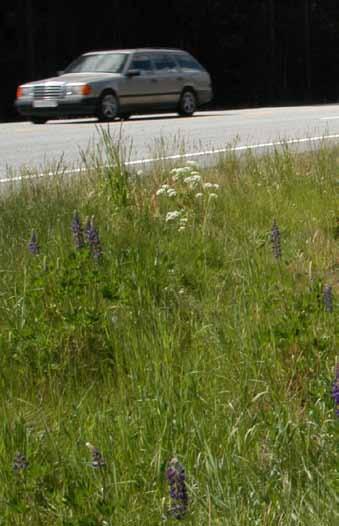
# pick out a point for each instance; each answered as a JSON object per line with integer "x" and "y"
{"x": 133, "y": 73}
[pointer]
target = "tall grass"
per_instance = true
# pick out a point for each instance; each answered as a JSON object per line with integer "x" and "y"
{"x": 190, "y": 337}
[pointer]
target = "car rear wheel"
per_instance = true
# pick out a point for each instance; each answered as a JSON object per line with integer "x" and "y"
{"x": 187, "y": 104}
{"x": 38, "y": 120}
{"x": 124, "y": 116}
{"x": 108, "y": 107}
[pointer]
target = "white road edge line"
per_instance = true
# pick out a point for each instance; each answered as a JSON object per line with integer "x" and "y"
{"x": 175, "y": 157}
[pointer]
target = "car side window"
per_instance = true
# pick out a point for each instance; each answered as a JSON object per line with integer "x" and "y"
{"x": 142, "y": 63}
{"x": 188, "y": 63}
{"x": 164, "y": 62}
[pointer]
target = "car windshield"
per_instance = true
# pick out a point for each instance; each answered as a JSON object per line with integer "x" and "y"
{"x": 98, "y": 63}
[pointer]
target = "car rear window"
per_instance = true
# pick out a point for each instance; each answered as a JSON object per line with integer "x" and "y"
{"x": 189, "y": 63}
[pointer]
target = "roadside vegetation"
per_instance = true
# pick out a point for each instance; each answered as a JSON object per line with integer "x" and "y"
{"x": 168, "y": 343}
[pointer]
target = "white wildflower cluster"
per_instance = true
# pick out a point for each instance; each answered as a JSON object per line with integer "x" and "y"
{"x": 177, "y": 216}
{"x": 166, "y": 190}
{"x": 173, "y": 215}
{"x": 182, "y": 224}
{"x": 178, "y": 173}
{"x": 210, "y": 186}
{"x": 188, "y": 170}
{"x": 187, "y": 176}
{"x": 193, "y": 180}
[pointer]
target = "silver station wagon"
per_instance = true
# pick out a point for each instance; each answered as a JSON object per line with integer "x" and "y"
{"x": 115, "y": 84}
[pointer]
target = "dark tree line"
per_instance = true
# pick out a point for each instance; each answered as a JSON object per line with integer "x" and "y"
{"x": 258, "y": 51}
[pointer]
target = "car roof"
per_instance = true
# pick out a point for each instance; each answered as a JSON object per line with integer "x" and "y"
{"x": 133, "y": 50}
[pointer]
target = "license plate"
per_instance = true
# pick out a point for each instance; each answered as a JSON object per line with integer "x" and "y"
{"x": 45, "y": 103}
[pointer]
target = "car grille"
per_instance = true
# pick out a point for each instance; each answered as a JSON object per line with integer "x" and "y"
{"x": 48, "y": 91}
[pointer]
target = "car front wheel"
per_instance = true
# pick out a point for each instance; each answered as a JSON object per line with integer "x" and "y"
{"x": 187, "y": 104}
{"x": 108, "y": 107}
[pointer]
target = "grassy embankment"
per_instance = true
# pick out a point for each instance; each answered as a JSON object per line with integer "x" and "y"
{"x": 186, "y": 337}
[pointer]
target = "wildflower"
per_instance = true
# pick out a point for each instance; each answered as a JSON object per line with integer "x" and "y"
{"x": 98, "y": 460}
{"x": 192, "y": 164}
{"x": 172, "y": 216}
{"x": 175, "y": 474}
{"x": 328, "y": 300}
{"x": 20, "y": 462}
{"x": 33, "y": 245}
{"x": 93, "y": 240}
{"x": 199, "y": 195}
{"x": 275, "y": 238}
{"x": 181, "y": 228}
{"x": 192, "y": 180}
{"x": 165, "y": 189}
{"x": 140, "y": 172}
{"x": 177, "y": 172}
{"x": 214, "y": 186}
{"x": 212, "y": 196}
{"x": 335, "y": 390}
{"x": 78, "y": 234}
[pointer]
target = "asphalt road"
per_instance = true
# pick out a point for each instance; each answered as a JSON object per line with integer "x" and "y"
{"x": 26, "y": 146}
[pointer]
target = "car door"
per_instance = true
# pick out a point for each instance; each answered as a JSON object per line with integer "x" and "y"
{"x": 170, "y": 80}
{"x": 139, "y": 86}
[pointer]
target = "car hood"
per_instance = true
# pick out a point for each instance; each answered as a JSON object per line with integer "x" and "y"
{"x": 75, "y": 77}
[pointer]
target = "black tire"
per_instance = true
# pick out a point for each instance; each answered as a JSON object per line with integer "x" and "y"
{"x": 108, "y": 107}
{"x": 38, "y": 120}
{"x": 124, "y": 116}
{"x": 187, "y": 103}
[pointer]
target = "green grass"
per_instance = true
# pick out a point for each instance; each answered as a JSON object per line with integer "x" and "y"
{"x": 188, "y": 338}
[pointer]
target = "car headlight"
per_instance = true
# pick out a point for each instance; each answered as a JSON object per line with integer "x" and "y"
{"x": 78, "y": 89}
{"x": 24, "y": 91}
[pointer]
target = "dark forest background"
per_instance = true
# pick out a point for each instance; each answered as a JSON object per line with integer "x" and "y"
{"x": 259, "y": 52}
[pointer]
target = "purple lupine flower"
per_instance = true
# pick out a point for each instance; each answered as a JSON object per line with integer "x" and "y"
{"x": 328, "y": 300}
{"x": 93, "y": 240}
{"x": 335, "y": 390}
{"x": 275, "y": 239}
{"x": 33, "y": 245}
{"x": 20, "y": 462}
{"x": 77, "y": 230}
{"x": 98, "y": 460}
{"x": 176, "y": 477}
